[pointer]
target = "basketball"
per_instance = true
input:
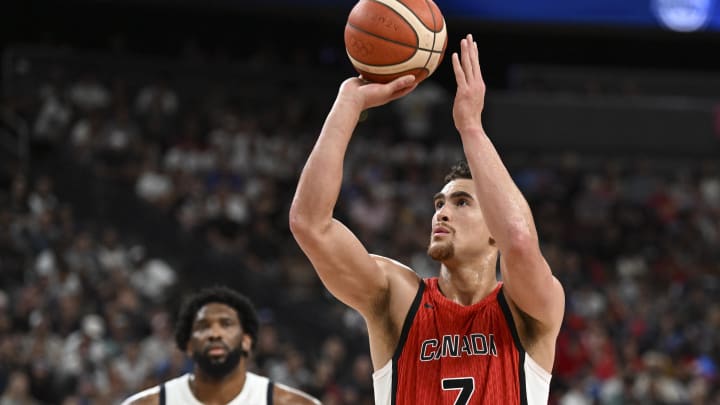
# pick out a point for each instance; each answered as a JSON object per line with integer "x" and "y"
{"x": 386, "y": 39}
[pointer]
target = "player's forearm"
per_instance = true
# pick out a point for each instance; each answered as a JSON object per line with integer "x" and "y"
{"x": 506, "y": 211}
{"x": 321, "y": 179}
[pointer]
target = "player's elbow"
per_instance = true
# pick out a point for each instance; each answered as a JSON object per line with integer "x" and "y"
{"x": 302, "y": 225}
{"x": 521, "y": 244}
{"x": 299, "y": 223}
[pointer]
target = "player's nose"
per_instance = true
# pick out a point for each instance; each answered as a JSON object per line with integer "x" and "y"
{"x": 442, "y": 215}
{"x": 215, "y": 332}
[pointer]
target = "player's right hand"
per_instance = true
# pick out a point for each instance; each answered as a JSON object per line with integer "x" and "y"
{"x": 366, "y": 95}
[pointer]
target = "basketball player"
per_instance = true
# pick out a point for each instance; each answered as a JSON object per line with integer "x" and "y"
{"x": 217, "y": 328}
{"x": 463, "y": 337}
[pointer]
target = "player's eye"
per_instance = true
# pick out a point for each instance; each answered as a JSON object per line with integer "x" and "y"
{"x": 462, "y": 202}
{"x": 439, "y": 204}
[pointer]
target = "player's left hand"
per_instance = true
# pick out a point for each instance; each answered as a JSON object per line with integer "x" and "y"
{"x": 470, "y": 96}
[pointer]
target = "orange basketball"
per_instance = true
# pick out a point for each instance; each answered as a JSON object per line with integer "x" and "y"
{"x": 386, "y": 39}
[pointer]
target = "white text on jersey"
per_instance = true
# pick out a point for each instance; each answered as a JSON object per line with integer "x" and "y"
{"x": 475, "y": 344}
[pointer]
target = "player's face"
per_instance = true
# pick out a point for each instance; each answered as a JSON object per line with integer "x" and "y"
{"x": 217, "y": 341}
{"x": 458, "y": 226}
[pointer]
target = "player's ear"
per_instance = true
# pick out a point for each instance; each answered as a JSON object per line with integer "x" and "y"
{"x": 246, "y": 342}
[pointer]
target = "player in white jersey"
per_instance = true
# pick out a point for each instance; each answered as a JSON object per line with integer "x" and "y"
{"x": 218, "y": 327}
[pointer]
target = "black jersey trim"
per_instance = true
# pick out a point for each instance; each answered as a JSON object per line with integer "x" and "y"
{"x": 516, "y": 338}
{"x": 403, "y": 336}
{"x": 162, "y": 394}
{"x": 270, "y": 391}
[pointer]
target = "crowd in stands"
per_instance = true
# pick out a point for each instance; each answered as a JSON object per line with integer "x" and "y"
{"x": 86, "y": 312}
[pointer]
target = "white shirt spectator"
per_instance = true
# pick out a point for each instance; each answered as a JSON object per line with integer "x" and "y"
{"x": 153, "y": 279}
{"x": 153, "y": 186}
{"x": 54, "y": 115}
{"x": 156, "y": 96}
{"x": 131, "y": 367}
{"x": 89, "y": 94}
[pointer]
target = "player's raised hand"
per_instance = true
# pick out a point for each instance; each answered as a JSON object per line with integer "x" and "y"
{"x": 470, "y": 96}
{"x": 367, "y": 95}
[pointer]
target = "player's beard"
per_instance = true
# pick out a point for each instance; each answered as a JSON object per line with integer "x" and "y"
{"x": 218, "y": 368}
{"x": 441, "y": 251}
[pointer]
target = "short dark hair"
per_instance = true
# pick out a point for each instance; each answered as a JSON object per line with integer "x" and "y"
{"x": 459, "y": 170}
{"x": 223, "y": 295}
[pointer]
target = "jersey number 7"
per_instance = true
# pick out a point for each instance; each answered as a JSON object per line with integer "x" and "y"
{"x": 466, "y": 385}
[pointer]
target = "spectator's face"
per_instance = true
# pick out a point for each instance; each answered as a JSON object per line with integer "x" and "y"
{"x": 44, "y": 186}
{"x": 217, "y": 341}
{"x": 19, "y": 187}
{"x": 18, "y": 384}
{"x": 458, "y": 226}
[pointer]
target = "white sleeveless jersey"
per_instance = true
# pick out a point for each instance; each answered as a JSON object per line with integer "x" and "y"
{"x": 256, "y": 391}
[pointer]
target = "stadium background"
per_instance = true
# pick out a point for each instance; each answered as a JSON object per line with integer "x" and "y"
{"x": 151, "y": 148}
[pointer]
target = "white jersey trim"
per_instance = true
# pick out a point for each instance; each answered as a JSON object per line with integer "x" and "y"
{"x": 382, "y": 384}
{"x": 134, "y": 397}
{"x": 178, "y": 392}
{"x": 537, "y": 382}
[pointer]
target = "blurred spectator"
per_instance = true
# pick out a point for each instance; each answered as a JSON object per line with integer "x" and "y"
{"x": 111, "y": 253}
{"x": 158, "y": 346}
{"x": 53, "y": 116}
{"x": 17, "y": 391}
{"x": 88, "y": 94}
{"x": 41, "y": 198}
{"x": 131, "y": 367}
{"x": 117, "y": 145}
{"x": 418, "y": 110}
{"x": 152, "y": 277}
{"x": 85, "y": 135}
{"x": 152, "y": 184}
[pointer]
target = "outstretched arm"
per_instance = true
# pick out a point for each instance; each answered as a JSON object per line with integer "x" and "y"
{"x": 527, "y": 276}
{"x": 341, "y": 261}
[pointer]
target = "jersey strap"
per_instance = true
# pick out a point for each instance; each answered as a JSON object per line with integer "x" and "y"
{"x": 403, "y": 337}
{"x": 162, "y": 394}
{"x": 516, "y": 338}
{"x": 271, "y": 385}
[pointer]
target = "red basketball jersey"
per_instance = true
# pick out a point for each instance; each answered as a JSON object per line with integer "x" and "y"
{"x": 450, "y": 354}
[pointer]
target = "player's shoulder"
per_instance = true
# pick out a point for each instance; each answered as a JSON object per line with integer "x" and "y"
{"x": 394, "y": 266}
{"x": 150, "y": 396}
{"x": 284, "y": 395}
{"x": 400, "y": 276}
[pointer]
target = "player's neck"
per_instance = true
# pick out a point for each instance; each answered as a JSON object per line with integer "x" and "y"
{"x": 468, "y": 283}
{"x": 211, "y": 391}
